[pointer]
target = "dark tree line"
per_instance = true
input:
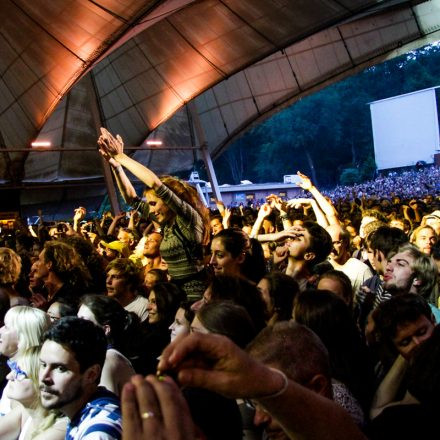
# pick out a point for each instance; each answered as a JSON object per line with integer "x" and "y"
{"x": 328, "y": 134}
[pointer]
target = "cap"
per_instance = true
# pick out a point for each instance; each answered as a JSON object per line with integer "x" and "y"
{"x": 117, "y": 246}
{"x": 434, "y": 215}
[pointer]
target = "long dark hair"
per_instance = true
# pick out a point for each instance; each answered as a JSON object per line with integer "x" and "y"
{"x": 124, "y": 326}
{"x": 168, "y": 297}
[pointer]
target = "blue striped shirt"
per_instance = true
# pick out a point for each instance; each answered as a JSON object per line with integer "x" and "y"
{"x": 100, "y": 419}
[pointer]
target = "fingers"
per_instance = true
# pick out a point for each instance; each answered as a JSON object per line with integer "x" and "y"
{"x": 176, "y": 416}
{"x": 148, "y": 407}
{"x": 131, "y": 421}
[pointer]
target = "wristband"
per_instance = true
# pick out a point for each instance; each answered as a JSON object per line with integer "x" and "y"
{"x": 283, "y": 388}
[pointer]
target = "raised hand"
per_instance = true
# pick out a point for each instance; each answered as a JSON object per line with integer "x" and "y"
{"x": 110, "y": 146}
{"x": 305, "y": 182}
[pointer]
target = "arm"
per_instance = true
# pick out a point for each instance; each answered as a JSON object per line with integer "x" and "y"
{"x": 328, "y": 209}
{"x": 114, "y": 223}
{"x": 387, "y": 390}
{"x": 10, "y": 424}
{"x": 276, "y": 202}
{"x": 263, "y": 212}
{"x": 320, "y": 217}
{"x": 80, "y": 213}
{"x": 215, "y": 363}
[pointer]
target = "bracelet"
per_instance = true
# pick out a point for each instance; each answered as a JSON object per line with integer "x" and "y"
{"x": 283, "y": 388}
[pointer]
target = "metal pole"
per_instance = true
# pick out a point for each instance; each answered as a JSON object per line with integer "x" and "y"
{"x": 97, "y": 118}
{"x": 204, "y": 150}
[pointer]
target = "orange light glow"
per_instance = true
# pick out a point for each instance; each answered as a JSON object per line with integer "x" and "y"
{"x": 41, "y": 144}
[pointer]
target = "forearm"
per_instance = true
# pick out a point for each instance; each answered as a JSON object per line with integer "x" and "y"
{"x": 304, "y": 414}
{"x": 320, "y": 217}
{"x": 327, "y": 208}
{"x": 387, "y": 390}
{"x": 256, "y": 227}
{"x": 125, "y": 187}
{"x": 140, "y": 171}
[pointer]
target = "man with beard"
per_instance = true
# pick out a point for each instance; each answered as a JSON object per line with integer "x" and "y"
{"x": 71, "y": 361}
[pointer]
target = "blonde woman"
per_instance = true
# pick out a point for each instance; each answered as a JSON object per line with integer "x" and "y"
{"x": 23, "y": 328}
{"x": 29, "y": 420}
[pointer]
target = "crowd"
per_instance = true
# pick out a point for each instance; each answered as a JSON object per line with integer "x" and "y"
{"x": 307, "y": 318}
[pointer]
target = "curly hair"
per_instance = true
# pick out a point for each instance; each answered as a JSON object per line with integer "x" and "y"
{"x": 189, "y": 194}
{"x": 10, "y": 266}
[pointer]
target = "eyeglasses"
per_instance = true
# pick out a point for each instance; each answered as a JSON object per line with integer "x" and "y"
{"x": 18, "y": 373}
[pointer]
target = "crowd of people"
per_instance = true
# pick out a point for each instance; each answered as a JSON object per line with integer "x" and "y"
{"x": 307, "y": 318}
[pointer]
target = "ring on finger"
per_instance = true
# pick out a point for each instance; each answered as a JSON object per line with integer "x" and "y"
{"x": 147, "y": 414}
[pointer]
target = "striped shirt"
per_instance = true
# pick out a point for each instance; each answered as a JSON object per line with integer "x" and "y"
{"x": 100, "y": 419}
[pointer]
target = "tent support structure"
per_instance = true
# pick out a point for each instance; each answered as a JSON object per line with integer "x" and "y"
{"x": 204, "y": 150}
{"x": 108, "y": 178}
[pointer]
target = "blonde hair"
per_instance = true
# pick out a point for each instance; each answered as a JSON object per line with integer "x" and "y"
{"x": 30, "y": 325}
{"x": 29, "y": 361}
{"x": 10, "y": 266}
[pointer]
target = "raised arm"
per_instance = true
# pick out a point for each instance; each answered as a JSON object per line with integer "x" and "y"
{"x": 320, "y": 217}
{"x": 114, "y": 148}
{"x": 327, "y": 208}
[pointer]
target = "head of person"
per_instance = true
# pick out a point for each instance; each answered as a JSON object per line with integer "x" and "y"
{"x": 424, "y": 238}
{"x": 154, "y": 276}
{"x": 164, "y": 300}
{"x": 229, "y": 249}
{"x": 123, "y": 278}
{"x": 185, "y": 192}
{"x": 114, "y": 249}
{"x": 433, "y": 220}
{"x": 380, "y": 243}
{"x": 227, "y": 319}
{"x": 370, "y": 216}
{"x": 182, "y": 320}
{"x": 23, "y": 384}
{"x": 107, "y": 313}
{"x": 337, "y": 282}
{"x": 403, "y": 322}
{"x": 278, "y": 291}
{"x": 36, "y": 283}
{"x": 126, "y": 236}
{"x": 61, "y": 308}
{"x": 71, "y": 361}
{"x": 10, "y": 267}
{"x": 312, "y": 244}
{"x": 152, "y": 245}
{"x": 216, "y": 224}
{"x": 23, "y": 328}
{"x": 238, "y": 290}
{"x": 299, "y": 353}
{"x": 62, "y": 260}
{"x": 411, "y": 271}
{"x": 341, "y": 243}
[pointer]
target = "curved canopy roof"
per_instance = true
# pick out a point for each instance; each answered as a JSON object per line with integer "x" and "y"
{"x": 68, "y": 67}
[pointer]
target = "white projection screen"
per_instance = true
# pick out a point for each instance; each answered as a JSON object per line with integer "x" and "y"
{"x": 405, "y": 129}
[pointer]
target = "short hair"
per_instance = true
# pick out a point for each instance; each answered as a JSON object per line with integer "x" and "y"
{"x": 242, "y": 292}
{"x": 160, "y": 275}
{"x": 416, "y": 232}
{"x": 83, "y": 338}
{"x": 344, "y": 280}
{"x": 29, "y": 323}
{"x": 128, "y": 269}
{"x": 282, "y": 292}
{"x": 10, "y": 266}
{"x": 293, "y": 348}
{"x": 425, "y": 270}
{"x": 399, "y": 310}
{"x": 228, "y": 319}
{"x": 320, "y": 242}
{"x": 386, "y": 239}
{"x": 376, "y": 214}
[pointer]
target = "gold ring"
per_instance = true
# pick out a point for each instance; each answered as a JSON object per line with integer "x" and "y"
{"x": 147, "y": 414}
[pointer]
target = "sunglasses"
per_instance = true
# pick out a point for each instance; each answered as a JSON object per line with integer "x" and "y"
{"x": 18, "y": 373}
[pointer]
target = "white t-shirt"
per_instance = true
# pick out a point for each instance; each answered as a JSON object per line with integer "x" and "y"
{"x": 139, "y": 307}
